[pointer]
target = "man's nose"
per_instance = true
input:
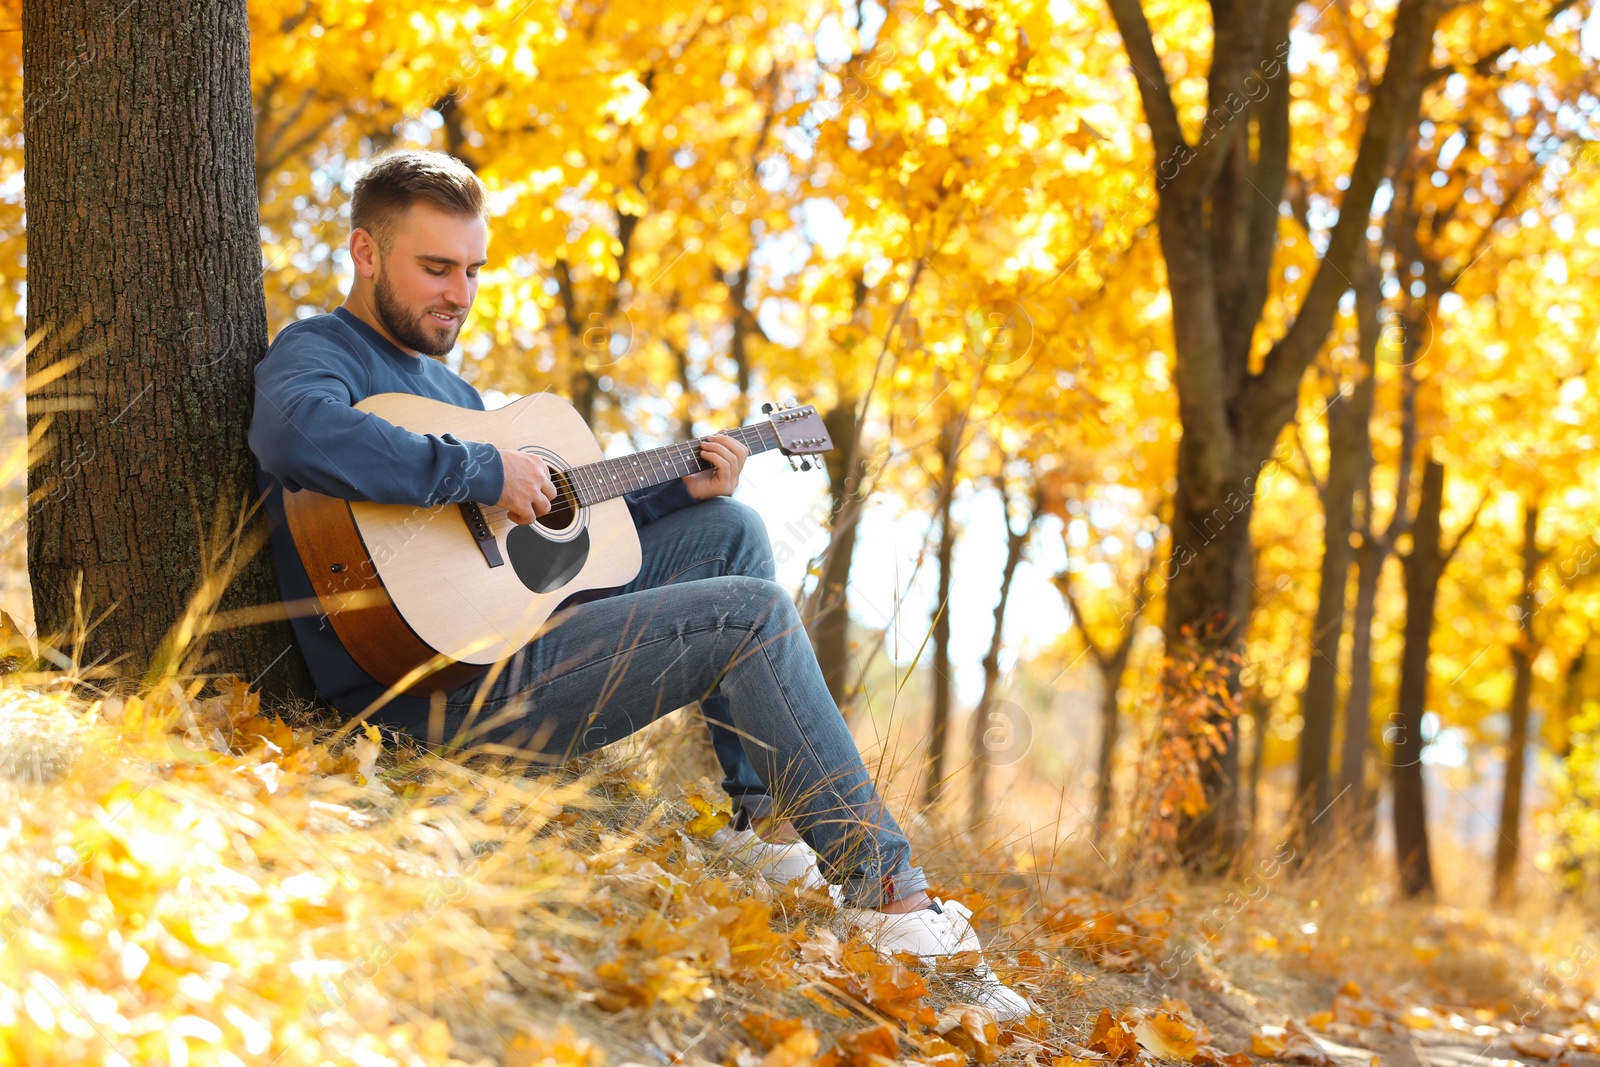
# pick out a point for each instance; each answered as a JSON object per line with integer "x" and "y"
{"x": 459, "y": 291}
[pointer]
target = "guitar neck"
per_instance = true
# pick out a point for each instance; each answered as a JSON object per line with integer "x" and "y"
{"x": 594, "y": 482}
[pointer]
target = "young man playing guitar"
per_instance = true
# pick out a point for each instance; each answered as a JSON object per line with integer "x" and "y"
{"x": 703, "y": 620}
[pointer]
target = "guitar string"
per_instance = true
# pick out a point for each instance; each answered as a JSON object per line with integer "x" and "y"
{"x": 591, "y": 483}
{"x": 601, "y": 478}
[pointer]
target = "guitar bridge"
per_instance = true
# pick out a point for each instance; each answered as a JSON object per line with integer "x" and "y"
{"x": 478, "y": 526}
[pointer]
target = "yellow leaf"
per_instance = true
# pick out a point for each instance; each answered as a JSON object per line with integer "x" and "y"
{"x": 1167, "y": 1036}
{"x": 1267, "y": 1046}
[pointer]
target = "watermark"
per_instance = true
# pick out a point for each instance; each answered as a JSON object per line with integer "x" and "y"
{"x": 604, "y": 340}
{"x": 1223, "y": 115}
{"x": 1007, "y": 733}
{"x": 53, "y": 86}
{"x": 1001, "y": 332}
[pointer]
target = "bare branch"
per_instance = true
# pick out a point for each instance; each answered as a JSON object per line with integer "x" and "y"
{"x": 1467, "y": 529}
{"x": 1160, "y": 112}
{"x": 1274, "y": 392}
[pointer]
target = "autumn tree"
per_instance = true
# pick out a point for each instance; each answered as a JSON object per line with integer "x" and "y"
{"x": 143, "y": 255}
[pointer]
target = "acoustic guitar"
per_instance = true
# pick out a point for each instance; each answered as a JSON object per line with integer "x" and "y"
{"x": 427, "y": 598}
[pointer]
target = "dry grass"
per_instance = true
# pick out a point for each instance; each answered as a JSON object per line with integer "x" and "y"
{"x": 191, "y": 879}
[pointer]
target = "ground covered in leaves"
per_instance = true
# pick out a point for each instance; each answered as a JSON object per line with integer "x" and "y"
{"x": 190, "y": 880}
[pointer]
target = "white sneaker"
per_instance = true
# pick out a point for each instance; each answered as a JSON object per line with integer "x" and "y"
{"x": 783, "y": 864}
{"x": 940, "y": 931}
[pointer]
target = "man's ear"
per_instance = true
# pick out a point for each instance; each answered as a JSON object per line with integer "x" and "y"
{"x": 364, "y": 253}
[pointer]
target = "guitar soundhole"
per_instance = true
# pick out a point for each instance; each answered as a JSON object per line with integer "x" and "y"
{"x": 564, "y": 510}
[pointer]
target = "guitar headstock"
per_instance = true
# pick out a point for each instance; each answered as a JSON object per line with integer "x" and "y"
{"x": 800, "y": 430}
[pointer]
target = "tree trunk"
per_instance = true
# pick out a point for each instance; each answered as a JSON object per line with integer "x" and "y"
{"x": 1260, "y": 717}
{"x": 829, "y": 611}
{"x": 1208, "y": 604}
{"x": 1571, "y": 707}
{"x": 940, "y": 681}
{"x": 588, "y": 341}
{"x": 680, "y": 364}
{"x": 983, "y": 753}
{"x": 144, "y": 266}
{"x": 1523, "y": 652}
{"x": 1350, "y": 441}
{"x": 1355, "y": 801}
{"x": 1106, "y": 764}
{"x": 740, "y": 320}
{"x": 1424, "y": 566}
{"x": 1314, "y": 787}
{"x": 1217, "y": 213}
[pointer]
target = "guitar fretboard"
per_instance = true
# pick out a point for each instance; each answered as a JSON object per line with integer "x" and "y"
{"x": 594, "y": 482}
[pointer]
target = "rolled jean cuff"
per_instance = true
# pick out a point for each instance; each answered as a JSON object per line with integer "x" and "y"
{"x": 752, "y": 806}
{"x": 865, "y": 890}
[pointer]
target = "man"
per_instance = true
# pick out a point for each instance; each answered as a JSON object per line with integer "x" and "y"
{"x": 702, "y": 621}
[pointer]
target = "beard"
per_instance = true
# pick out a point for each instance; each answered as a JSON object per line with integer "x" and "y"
{"x": 416, "y": 330}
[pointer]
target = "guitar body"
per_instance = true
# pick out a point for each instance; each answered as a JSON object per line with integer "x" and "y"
{"x": 415, "y": 596}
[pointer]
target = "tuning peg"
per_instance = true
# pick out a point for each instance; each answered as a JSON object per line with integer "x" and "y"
{"x": 792, "y": 465}
{"x": 805, "y": 464}
{"x": 766, "y": 409}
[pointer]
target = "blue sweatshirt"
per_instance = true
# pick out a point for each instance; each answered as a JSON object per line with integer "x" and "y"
{"x": 306, "y": 434}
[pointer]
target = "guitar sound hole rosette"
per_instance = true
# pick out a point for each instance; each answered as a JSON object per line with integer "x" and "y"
{"x": 560, "y": 523}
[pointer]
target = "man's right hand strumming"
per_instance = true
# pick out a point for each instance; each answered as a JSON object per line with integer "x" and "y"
{"x": 528, "y": 487}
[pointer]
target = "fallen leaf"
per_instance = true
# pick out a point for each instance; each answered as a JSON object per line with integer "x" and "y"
{"x": 1215, "y": 1057}
{"x": 1538, "y": 1046}
{"x": 711, "y": 814}
{"x": 1347, "y": 1010}
{"x": 769, "y": 1031}
{"x": 797, "y": 1050}
{"x": 1113, "y": 1037}
{"x": 825, "y": 1002}
{"x": 1268, "y": 1042}
{"x": 564, "y": 1048}
{"x": 863, "y": 1047}
{"x": 1168, "y": 1036}
{"x": 1301, "y": 1047}
{"x": 971, "y": 1028}
{"x": 1415, "y": 1019}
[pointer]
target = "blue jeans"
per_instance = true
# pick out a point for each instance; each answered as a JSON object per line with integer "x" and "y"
{"x": 703, "y": 621}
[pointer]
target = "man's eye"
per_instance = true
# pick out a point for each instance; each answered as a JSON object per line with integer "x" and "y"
{"x": 435, "y": 273}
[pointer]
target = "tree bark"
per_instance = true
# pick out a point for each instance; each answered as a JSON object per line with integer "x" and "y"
{"x": 1260, "y": 710}
{"x": 827, "y": 609}
{"x": 829, "y": 612}
{"x": 1424, "y": 566}
{"x": 1314, "y": 785}
{"x": 1349, "y": 415}
{"x": 144, "y": 267}
{"x": 1355, "y": 801}
{"x": 1217, "y": 213}
{"x": 1506, "y": 848}
{"x": 939, "y": 727}
{"x": 1353, "y": 444}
